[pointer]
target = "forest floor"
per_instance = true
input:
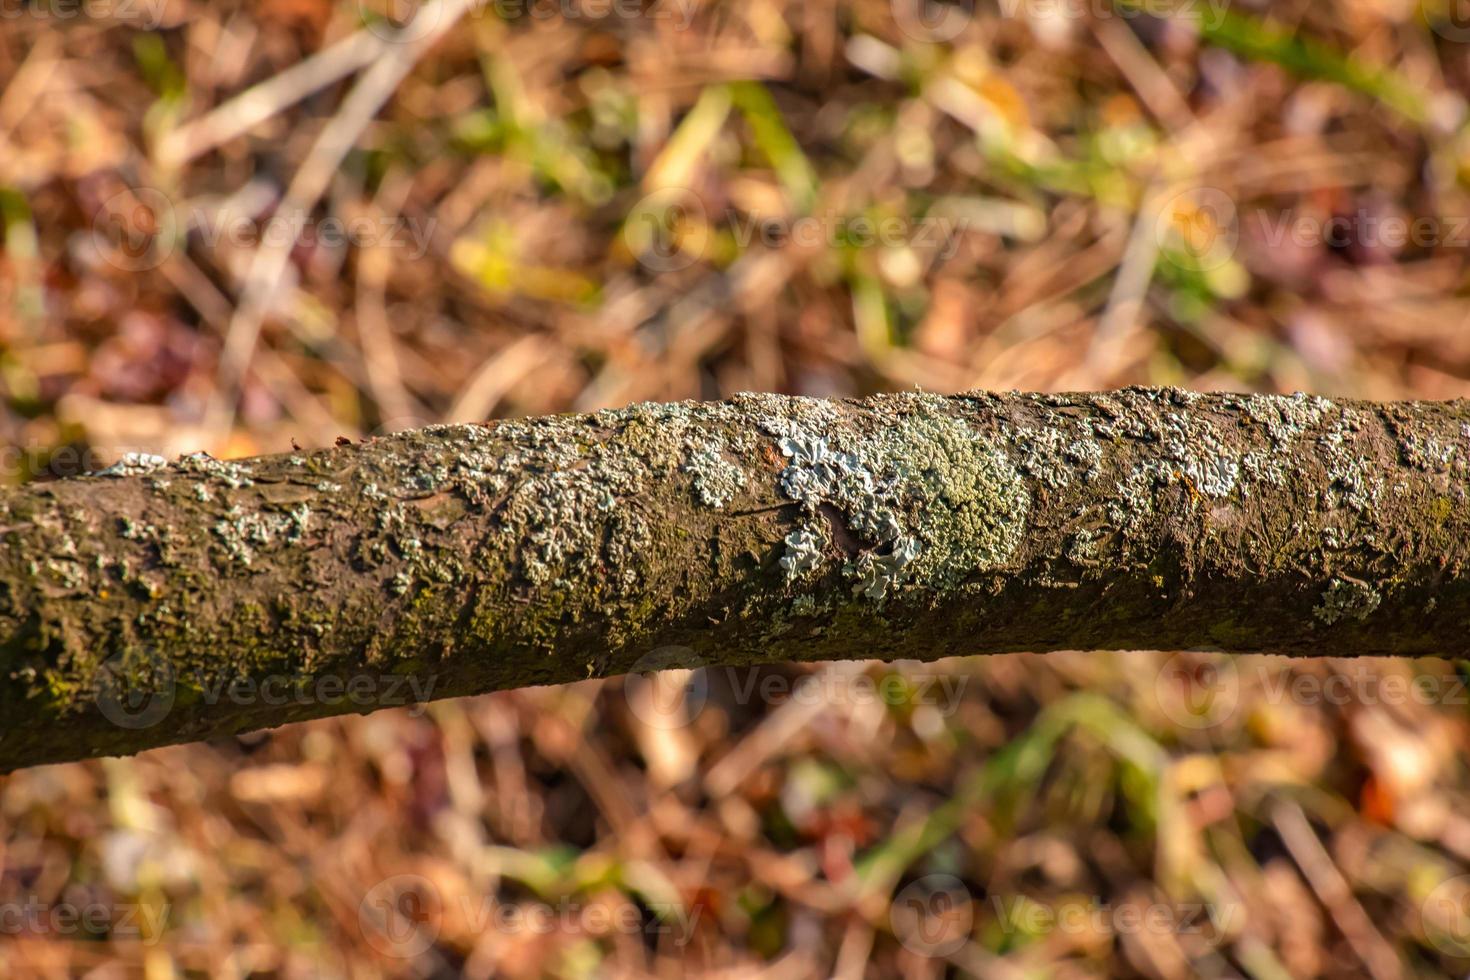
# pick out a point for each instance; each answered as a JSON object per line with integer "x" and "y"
{"x": 211, "y": 240}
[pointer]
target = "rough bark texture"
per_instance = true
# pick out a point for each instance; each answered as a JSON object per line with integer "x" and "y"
{"x": 160, "y": 603}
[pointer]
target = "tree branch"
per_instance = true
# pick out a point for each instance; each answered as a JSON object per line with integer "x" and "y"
{"x": 158, "y": 603}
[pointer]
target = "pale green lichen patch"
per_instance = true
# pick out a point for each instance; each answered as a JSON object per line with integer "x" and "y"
{"x": 1203, "y": 448}
{"x": 804, "y": 548}
{"x": 1083, "y": 549}
{"x": 242, "y": 533}
{"x": 1086, "y": 453}
{"x": 1056, "y": 454}
{"x": 1132, "y": 502}
{"x": 1350, "y": 480}
{"x": 1191, "y": 442}
{"x": 572, "y": 493}
{"x": 715, "y": 479}
{"x": 1285, "y": 417}
{"x": 1426, "y": 452}
{"x": 1347, "y": 599}
{"x": 931, "y": 499}
{"x": 1145, "y": 444}
{"x": 804, "y": 605}
{"x": 233, "y": 475}
{"x": 878, "y": 574}
{"x": 969, "y": 503}
{"x": 1042, "y": 456}
{"x": 134, "y": 464}
{"x": 558, "y": 511}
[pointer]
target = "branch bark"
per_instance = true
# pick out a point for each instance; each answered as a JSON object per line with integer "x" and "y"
{"x": 164, "y": 602}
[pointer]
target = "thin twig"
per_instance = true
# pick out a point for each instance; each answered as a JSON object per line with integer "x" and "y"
{"x": 1335, "y": 893}
{"x": 268, "y": 266}
{"x": 274, "y": 95}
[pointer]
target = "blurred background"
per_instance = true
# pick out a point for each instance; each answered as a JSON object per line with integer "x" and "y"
{"x": 228, "y": 227}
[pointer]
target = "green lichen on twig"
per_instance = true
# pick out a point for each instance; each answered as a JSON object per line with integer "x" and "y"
{"x": 766, "y": 527}
{"x": 1347, "y": 598}
{"x": 926, "y": 494}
